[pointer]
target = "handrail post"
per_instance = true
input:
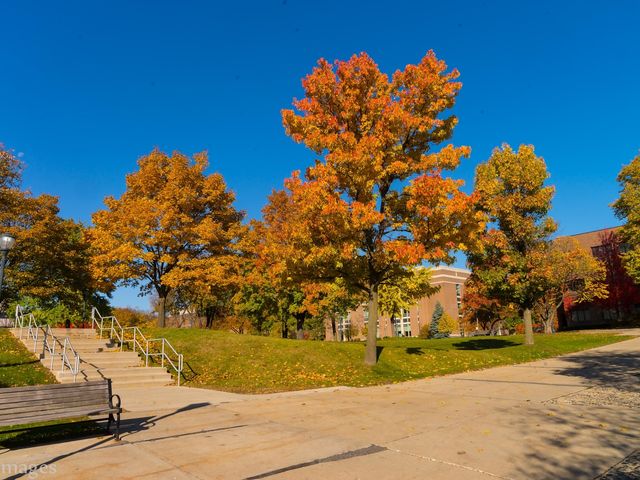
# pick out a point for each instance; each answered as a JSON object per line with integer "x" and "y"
{"x": 121, "y": 338}
{"x": 146, "y": 362}
{"x": 53, "y": 354}
{"x": 162, "y": 352}
{"x": 64, "y": 354}
{"x": 134, "y": 339}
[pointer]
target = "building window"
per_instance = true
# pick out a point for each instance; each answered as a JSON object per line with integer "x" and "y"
{"x": 344, "y": 327}
{"x": 403, "y": 324}
{"x": 459, "y": 299}
{"x": 344, "y": 323}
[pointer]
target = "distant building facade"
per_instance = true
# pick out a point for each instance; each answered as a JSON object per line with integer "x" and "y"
{"x": 408, "y": 324}
{"x": 623, "y": 303}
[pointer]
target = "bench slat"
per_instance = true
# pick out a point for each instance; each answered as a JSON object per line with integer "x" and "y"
{"x": 65, "y": 416}
{"x": 50, "y": 393}
{"x": 26, "y": 408}
{"x": 56, "y": 386}
{"x": 17, "y": 402}
{"x": 79, "y": 411}
{"x": 36, "y": 395}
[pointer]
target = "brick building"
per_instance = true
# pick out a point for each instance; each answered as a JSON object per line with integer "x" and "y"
{"x": 451, "y": 282}
{"x": 623, "y": 303}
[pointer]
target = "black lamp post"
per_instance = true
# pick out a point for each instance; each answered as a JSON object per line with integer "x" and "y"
{"x": 6, "y": 243}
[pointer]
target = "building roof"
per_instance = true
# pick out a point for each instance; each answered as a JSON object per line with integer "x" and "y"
{"x": 449, "y": 274}
{"x": 593, "y": 238}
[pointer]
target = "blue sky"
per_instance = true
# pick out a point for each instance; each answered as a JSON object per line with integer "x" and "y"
{"x": 88, "y": 87}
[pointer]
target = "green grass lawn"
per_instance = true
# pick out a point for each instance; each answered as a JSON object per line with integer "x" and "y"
{"x": 19, "y": 367}
{"x": 253, "y": 364}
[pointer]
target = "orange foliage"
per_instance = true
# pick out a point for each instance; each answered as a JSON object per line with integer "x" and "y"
{"x": 376, "y": 203}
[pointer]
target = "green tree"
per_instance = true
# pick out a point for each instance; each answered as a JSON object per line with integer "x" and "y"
{"x": 511, "y": 191}
{"x": 403, "y": 294}
{"x": 627, "y": 208}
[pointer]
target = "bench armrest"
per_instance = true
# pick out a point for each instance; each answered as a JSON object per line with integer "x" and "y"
{"x": 117, "y": 405}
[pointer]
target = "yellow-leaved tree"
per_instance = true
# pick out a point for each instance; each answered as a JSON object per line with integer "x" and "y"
{"x": 511, "y": 189}
{"x": 174, "y": 226}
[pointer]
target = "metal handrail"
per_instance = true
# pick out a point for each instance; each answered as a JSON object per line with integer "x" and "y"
{"x": 20, "y": 319}
{"x": 137, "y": 340}
{"x": 66, "y": 360}
{"x": 69, "y": 356}
{"x": 33, "y": 330}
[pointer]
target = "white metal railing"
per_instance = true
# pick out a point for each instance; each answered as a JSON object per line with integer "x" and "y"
{"x": 21, "y": 320}
{"x": 69, "y": 357}
{"x": 139, "y": 343}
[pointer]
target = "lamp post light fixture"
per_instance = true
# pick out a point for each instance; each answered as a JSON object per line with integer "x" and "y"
{"x": 6, "y": 243}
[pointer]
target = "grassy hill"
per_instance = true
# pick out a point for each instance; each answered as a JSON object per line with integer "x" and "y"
{"x": 18, "y": 366}
{"x": 254, "y": 364}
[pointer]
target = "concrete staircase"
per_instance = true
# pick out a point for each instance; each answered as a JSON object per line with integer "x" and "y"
{"x": 99, "y": 358}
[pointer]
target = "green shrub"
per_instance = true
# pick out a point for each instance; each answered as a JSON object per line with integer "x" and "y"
{"x": 424, "y": 331}
{"x": 55, "y": 315}
{"x": 132, "y": 317}
{"x": 447, "y": 325}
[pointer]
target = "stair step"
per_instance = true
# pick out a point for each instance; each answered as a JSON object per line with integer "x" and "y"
{"x": 135, "y": 374}
{"x": 117, "y": 385}
{"x": 99, "y": 358}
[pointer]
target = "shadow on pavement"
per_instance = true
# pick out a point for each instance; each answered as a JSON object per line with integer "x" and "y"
{"x": 615, "y": 370}
{"x": 601, "y": 436}
{"x": 604, "y": 433}
{"x": 127, "y": 427}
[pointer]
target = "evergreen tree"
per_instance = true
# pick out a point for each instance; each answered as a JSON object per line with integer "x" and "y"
{"x": 435, "y": 321}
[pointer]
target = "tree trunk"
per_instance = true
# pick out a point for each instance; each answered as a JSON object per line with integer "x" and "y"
{"x": 334, "y": 329}
{"x": 562, "y": 318}
{"x": 371, "y": 350}
{"x": 528, "y": 327}
{"x": 162, "y": 303}
{"x": 209, "y": 313}
{"x": 548, "y": 326}
{"x": 300, "y": 326}
{"x": 285, "y": 328}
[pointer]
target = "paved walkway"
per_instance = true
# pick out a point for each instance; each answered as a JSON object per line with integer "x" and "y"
{"x": 567, "y": 418}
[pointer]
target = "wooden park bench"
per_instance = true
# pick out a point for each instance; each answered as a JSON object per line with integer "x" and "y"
{"x": 41, "y": 403}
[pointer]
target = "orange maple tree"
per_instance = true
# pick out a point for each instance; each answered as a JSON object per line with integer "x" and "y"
{"x": 376, "y": 202}
{"x": 174, "y": 226}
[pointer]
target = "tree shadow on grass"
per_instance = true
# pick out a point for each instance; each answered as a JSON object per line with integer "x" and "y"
{"x": 484, "y": 344}
{"x": 414, "y": 351}
{"x": 17, "y": 364}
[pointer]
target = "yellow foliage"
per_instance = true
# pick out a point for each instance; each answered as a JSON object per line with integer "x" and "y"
{"x": 174, "y": 225}
{"x": 447, "y": 324}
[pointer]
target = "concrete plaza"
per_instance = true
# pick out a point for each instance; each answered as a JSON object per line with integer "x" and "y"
{"x": 571, "y": 417}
